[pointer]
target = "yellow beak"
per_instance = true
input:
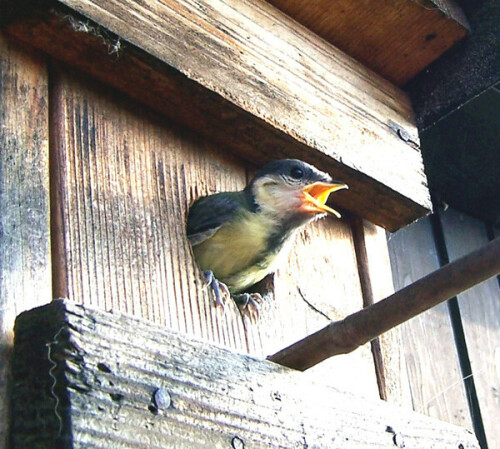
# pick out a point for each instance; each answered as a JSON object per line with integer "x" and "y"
{"x": 316, "y": 195}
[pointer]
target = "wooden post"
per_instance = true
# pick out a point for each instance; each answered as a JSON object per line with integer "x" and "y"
{"x": 342, "y": 337}
{"x": 25, "y": 265}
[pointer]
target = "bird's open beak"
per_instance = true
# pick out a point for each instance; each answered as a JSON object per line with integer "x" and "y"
{"x": 316, "y": 195}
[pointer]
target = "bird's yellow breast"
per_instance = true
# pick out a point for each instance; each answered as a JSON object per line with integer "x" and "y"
{"x": 232, "y": 252}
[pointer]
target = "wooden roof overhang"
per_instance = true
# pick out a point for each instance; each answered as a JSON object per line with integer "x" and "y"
{"x": 252, "y": 79}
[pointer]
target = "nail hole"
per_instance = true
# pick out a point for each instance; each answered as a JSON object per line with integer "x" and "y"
{"x": 103, "y": 367}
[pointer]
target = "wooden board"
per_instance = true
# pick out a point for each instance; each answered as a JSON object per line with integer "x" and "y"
{"x": 395, "y": 38}
{"x": 124, "y": 179}
{"x": 436, "y": 383}
{"x": 253, "y": 80}
{"x": 104, "y": 380}
{"x": 480, "y": 314}
{"x": 25, "y": 270}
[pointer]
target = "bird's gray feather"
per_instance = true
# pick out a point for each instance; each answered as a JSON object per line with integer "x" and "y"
{"x": 209, "y": 213}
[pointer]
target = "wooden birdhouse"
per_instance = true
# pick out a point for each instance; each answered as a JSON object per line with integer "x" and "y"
{"x": 115, "y": 117}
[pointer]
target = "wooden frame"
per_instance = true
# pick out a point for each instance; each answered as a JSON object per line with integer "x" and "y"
{"x": 247, "y": 76}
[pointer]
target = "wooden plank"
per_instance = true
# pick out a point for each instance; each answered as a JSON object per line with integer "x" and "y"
{"x": 395, "y": 38}
{"x": 104, "y": 380}
{"x": 436, "y": 383}
{"x": 125, "y": 178}
{"x": 480, "y": 314}
{"x": 254, "y": 81}
{"x": 25, "y": 270}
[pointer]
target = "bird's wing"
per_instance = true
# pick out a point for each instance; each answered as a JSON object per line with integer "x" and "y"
{"x": 208, "y": 214}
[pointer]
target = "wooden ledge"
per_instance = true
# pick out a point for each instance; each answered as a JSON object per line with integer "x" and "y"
{"x": 85, "y": 378}
{"x": 254, "y": 81}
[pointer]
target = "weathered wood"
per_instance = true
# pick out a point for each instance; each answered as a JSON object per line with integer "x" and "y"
{"x": 344, "y": 336}
{"x": 25, "y": 270}
{"x": 396, "y": 39}
{"x": 480, "y": 314}
{"x": 124, "y": 179}
{"x": 270, "y": 89}
{"x": 94, "y": 379}
{"x": 318, "y": 283}
{"x": 376, "y": 277}
{"x": 437, "y": 387}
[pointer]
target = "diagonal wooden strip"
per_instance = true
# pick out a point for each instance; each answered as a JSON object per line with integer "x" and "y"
{"x": 342, "y": 337}
{"x": 92, "y": 379}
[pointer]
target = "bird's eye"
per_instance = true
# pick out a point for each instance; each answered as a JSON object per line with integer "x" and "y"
{"x": 296, "y": 173}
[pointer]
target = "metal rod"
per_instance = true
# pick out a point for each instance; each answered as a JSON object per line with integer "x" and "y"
{"x": 342, "y": 337}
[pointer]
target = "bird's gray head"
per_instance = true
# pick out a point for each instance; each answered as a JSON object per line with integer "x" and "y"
{"x": 290, "y": 187}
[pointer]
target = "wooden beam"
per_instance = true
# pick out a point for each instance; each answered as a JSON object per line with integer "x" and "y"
{"x": 342, "y": 337}
{"x": 396, "y": 39}
{"x": 247, "y": 76}
{"x": 359, "y": 238}
{"x": 86, "y": 378}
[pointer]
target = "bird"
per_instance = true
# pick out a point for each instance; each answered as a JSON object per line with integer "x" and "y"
{"x": 238, "y": 237}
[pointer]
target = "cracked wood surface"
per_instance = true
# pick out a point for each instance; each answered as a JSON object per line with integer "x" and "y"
{"x": 98, "y": 375}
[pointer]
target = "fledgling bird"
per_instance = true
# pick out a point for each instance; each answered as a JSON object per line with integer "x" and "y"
{"x": 238, "y": 236}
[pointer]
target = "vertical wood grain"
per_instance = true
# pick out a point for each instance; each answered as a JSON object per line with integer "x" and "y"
{"x": 480, "y": 315}
{"x": 125, "y": 180}
{"x": 436, "y": 383}
{"x": 317, "y": 284}
{"x": 25, "y": 274}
